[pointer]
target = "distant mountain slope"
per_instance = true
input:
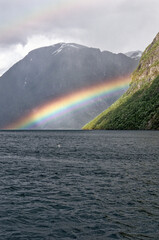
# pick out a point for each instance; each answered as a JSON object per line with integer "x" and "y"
{"x": 50, "y": 72}
{"x": 138, "y": 108}
{"x": 134, "y": 54}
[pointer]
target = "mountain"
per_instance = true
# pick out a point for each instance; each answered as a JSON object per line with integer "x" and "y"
{"x": 54, "y": 71}
{"x": 134, "y": 55}
{"x": 138, "y": 108}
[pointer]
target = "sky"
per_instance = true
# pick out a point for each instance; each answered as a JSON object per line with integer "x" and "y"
{"x": 113, "y": 25}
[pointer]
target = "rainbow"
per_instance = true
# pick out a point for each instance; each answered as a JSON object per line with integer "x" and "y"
{"x": 65, "y": 104}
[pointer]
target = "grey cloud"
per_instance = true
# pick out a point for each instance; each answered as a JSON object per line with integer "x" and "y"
{"x": 112, "y": 25}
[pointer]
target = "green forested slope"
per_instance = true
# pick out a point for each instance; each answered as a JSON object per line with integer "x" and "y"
{"x": 138, "y": 108}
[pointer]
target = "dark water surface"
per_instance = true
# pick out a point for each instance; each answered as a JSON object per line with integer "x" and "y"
{"x": 79, "y": 185}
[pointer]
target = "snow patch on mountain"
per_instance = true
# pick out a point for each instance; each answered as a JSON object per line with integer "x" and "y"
{"x": 65, "y": 45}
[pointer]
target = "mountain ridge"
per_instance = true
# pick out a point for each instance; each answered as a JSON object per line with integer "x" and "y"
{"x": 49, "y": 72}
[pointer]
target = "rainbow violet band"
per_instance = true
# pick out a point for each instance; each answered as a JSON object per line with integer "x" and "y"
{"x": 67, "y": 103}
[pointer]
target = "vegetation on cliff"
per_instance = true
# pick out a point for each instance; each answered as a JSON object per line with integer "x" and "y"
{"x": 138, "y": 108}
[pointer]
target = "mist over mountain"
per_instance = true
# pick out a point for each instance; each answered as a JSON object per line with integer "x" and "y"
{"x": 138, "y": 108}
{"x": 134, "y": 54}
{"x": 50, "y": 72}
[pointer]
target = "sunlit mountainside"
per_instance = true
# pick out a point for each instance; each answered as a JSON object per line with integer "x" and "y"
{"x": 138, "y": 108}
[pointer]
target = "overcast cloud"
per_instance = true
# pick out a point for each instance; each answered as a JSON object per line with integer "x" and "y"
{"x": 118, "y": 26}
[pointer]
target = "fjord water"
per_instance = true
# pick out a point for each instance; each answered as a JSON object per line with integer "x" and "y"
{"x": 79, "y": 185}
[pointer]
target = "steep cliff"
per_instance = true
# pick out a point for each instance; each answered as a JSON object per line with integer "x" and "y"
{"x": 138, "y": 108}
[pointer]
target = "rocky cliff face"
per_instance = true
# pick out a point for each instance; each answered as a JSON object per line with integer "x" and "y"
{"x": 50, "y": 72}
{"x": 148, "y": 67}
{"x": 138, "y": 108}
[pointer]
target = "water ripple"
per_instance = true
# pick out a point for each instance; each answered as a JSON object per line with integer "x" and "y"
{"x": 79, "y": 185}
